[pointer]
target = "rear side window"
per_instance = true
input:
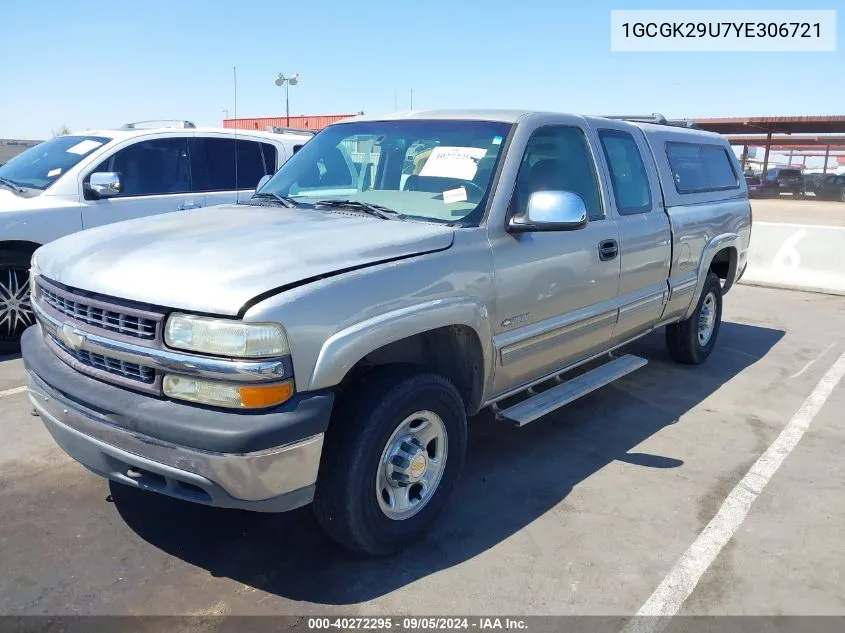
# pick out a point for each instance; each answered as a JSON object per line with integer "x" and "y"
{"x": 213, "y": 163}
{"x": 269, "y": 152}
{"x": 699, "y": 168}
{"x": 627, "y": 171}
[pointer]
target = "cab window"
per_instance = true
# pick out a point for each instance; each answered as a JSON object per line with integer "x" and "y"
{"x": 558, "y": 158}
{"x": 150, "y": 168}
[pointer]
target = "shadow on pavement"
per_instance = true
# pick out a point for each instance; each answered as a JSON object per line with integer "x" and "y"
{"x": 511, "y": 478}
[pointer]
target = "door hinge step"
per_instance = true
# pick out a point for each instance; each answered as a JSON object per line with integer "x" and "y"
{"x": 547, "y": 401}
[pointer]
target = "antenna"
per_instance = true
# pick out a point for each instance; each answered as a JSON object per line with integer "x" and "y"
{"x": 412, "y": 98}
{"x": 235, "y": 85}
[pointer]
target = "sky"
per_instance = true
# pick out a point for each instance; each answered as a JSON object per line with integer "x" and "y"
{"x": 90, "y": 64}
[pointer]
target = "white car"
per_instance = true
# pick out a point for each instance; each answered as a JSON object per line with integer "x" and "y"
{"x": 75, "y": 182}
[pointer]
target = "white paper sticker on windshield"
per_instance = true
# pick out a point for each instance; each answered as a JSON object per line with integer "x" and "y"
{"x": 54, "y": 172}
{"x": 83, "y": 147}
{"x": 455, "y": 195}
{"x": 453, "y": 162}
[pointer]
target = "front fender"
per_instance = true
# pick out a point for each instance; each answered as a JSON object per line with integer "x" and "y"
{"x": 716, "y": 244}
{"x": 345, "y": 348}
{"x": 40, "y": 226}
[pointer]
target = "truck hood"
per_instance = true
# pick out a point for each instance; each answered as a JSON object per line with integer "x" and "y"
{"x": 214, "y": 260}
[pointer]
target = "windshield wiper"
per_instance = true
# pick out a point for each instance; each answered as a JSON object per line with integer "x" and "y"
{"x": 11, "y": 185}
{"x": 376, "y": 210}
{"x": 289, "y": 203}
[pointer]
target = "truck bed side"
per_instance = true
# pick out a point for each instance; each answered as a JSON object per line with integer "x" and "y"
{"x": 711, "y": 227}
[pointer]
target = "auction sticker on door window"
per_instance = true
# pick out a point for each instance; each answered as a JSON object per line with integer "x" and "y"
{"x": 453, "y": 162}
{"x": 455, "y": 195}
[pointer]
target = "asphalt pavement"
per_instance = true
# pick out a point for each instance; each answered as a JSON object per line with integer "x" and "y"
{"x": 586, "y": 511}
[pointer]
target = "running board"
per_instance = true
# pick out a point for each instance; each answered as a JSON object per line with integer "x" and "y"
{"x": 547, "y": 401}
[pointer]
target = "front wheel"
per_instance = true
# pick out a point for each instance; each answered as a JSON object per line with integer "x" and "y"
{"x": 15, "y": 310}
{"x": 391, "y": 459}
{"x": 691, "y": 341}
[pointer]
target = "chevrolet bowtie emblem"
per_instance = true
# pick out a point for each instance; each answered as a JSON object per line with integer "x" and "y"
{"x": 70, "y": 336}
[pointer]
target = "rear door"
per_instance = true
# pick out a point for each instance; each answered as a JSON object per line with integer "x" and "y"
{"x": 155, "y": 176}
{"x": 644, "y": 232}
{"x": 226, "y": 170}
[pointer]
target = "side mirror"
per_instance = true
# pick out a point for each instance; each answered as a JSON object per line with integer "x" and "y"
{"x": 264, "y": 180}
{"x": 551, "y": 211}
{"x": 105, "y": 183}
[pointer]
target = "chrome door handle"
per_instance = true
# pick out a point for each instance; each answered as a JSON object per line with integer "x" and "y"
{"x": 189, "y": 205}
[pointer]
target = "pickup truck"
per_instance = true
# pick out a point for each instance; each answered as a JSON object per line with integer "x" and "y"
{"x": 325, "y": 341}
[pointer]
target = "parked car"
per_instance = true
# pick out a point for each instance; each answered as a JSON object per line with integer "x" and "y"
{"x": 783, "y": 180}
{"x": 812, "y": 181}
{"x": 755, "y": 186}
{"x": 832, "y": 188}
{"x": 328, "y": 343}
{"x": 79, "y": 181}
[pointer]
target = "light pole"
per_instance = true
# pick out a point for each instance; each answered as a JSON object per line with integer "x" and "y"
{"x": 287, "y": 82}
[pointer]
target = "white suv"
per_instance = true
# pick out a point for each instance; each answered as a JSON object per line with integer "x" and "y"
{"x": 79, "y": 181}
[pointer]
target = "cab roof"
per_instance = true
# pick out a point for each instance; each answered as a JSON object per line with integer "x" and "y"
{"x": 514, "y": 116}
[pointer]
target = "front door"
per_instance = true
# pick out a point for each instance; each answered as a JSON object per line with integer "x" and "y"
{"x": 155, "y": 178}
{"x": 556, "y": 291}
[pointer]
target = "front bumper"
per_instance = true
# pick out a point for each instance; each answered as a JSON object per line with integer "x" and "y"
{"x": 128, "y": 437}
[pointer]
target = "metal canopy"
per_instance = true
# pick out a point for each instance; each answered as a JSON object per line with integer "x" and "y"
{"x": 766, "y": 127}
{"x": 782, "y": 141}
{"x": 827, "y": 124}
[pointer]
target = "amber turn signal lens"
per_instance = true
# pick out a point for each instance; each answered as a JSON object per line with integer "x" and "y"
{"x": 256, "y": 396}
{"x": 226, "y": 394}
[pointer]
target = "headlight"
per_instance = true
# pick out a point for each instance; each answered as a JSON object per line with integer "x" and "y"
{"x": 223, "y": 337}
{"x": 224, "y": 394}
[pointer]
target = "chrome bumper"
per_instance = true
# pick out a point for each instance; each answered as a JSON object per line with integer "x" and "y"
{"x": 276, "y": 479}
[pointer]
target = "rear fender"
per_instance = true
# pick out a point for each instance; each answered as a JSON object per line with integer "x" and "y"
{"x": 719, "y": 242}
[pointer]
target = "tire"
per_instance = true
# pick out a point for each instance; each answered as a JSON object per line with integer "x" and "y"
{"x": 683, "y": 338}
{"x": 357, "y": 457}
{"x": 15, "y": 310}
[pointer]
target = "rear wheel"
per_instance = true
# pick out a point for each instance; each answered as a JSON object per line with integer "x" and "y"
{"x": 15, "y": 310}
{"x": 691, "y": 341}
{"x": 391, "y": 459}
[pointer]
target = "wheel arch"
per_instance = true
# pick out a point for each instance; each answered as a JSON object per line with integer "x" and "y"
{"x": 19, "y": 246}
{"x": 450, "y": 337}
{"x": 724, "y": 250}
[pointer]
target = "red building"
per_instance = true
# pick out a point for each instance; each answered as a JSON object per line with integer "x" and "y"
{"x": 303, "y": 121}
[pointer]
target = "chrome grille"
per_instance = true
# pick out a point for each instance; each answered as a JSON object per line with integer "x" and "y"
{"x": 111, "y": 320}
{"x": 109, "y": 364}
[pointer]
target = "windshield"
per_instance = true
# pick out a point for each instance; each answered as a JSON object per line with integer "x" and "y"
{"x": 431, "y": 170}
{"x": 40, "y": 166}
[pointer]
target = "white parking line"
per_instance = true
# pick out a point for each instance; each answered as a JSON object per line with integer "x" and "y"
{"x": 688, "y": 570}
{"x": 816, "y": 359}
{"x": 11, "y": 392}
